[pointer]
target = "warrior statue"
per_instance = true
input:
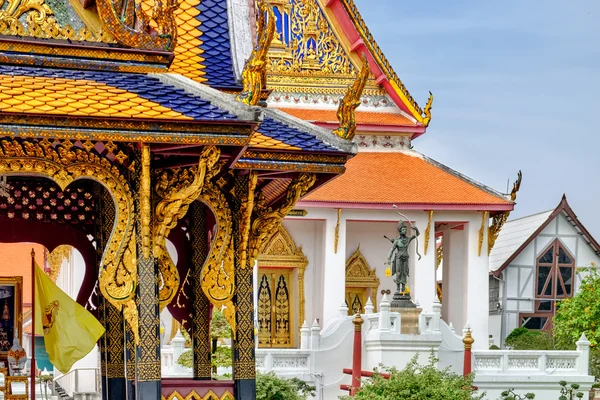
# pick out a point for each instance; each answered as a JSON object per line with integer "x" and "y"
{"x": 398, "y": 256}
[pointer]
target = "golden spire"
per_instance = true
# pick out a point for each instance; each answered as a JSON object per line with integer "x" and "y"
{"x": 254, "y": 76}
{"x": 499, "y": 220}
{"x": 427, "y": 111}
{"x": 347, "y": 110}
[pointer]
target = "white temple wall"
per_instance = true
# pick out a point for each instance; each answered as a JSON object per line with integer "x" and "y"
{"x": 374, "y": 247}
{"x": 309, "y": 235}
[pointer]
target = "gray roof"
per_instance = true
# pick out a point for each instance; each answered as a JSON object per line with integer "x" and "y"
{"x": 513, "y": 235}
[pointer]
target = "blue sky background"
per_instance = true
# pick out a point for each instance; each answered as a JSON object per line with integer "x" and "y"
{"x": 516, "y": 86}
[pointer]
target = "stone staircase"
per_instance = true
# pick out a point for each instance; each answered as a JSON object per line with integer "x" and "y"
{"x": 60, "y": 392}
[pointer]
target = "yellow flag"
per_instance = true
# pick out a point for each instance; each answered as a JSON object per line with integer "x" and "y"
{"x": 70, "y": 331}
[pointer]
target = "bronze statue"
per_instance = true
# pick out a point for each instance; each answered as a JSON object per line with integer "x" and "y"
{"x": 398, "y": 255}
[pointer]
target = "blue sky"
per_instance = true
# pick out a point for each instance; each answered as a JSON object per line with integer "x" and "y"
{"x": 515, "y": 85}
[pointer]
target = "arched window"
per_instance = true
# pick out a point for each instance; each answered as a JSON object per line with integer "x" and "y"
{"x": 555, "y": 276}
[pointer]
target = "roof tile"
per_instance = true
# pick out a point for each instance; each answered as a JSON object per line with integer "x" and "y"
{"x": 400, "y": 178}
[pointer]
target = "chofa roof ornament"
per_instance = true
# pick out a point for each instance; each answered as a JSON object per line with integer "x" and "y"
{"x": 254, "y": 76}
{"x": 347, "y": 110}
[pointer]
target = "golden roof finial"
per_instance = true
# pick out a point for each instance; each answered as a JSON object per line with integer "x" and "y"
{"x": 499, "y": 220}
{"x": 254, "y": 76}
{"x": 347, "y": 110}
{"x": 427, "y": 111}
{"x": 516, "y": 186}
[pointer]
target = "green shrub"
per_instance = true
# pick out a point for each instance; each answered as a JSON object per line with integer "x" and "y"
{"x": 416, "y": 382}
{"x": 271, "y": 387}
{"x": 579, "y": 314}
{"x": 525, "y": 339}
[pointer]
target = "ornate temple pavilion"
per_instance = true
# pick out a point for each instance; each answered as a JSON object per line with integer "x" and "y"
{"x": 203, "y": 122}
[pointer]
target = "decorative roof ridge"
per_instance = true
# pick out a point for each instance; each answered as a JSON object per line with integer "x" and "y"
{"x": 216, "y": 97}
{"x": 562, "y": 208}
{"x": 320, "y": 133}
{"x": 378, "y": 55}
{"x": 467, "y": 179}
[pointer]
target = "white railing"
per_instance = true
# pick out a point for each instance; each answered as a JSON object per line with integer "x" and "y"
{"x": 282, "y": 360}
{"x": 80, "y": 380}
{"x": 510, "y": 362}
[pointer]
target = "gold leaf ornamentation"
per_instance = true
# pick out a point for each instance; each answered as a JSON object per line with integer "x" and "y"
{"x": 218, "y": 279}
{"x": 133, "y": 27}
{"x": 347, "y": 110}
{"x": 118, "y": 271}
{"x": 254, "y": 76}
{"x": 499, "y": 220}
{"x": 177, "y": 189}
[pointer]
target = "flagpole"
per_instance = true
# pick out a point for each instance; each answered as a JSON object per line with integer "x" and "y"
{"x": 32, "y": 368}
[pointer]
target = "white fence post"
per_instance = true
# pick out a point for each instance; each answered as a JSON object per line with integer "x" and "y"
{"x": 369, "y": 308}
{"x": 315, "y": 338}
{"x": 583, "y": 345}
{"x": 305, "y": 336}
{"x": 384, "y": 314}
{"x": 178, "y": 344}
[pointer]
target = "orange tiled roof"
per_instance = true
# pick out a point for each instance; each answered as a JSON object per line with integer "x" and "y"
{"x": 402, "y": 179}
{"x": 76, "y": 97}
{"x": 15, "y": 260}
{"x": 188, "y": 54}
{"x": 362, "y": 117}
{"x": 259, "y": 140}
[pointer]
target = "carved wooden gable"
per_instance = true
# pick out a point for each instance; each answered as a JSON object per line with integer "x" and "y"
{"x": 281, "y": 251}
{"x": 359, "y": 273}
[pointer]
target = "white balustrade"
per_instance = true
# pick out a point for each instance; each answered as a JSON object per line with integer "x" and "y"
{"x": 510, "y": 362}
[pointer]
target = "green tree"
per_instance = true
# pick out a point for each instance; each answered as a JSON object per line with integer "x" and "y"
{"x": 271, "y": 387}
{"x": 525, "y": 339}
{"x": 581, "y": 314}
{"x": 219, "y": 329}
{"x": 222, "y": 356}
{"x": 416, "y": 382}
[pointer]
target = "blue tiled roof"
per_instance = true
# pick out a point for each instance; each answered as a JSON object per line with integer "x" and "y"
{"x": 292, "y": 136}
{"x": 216, "y": 45}
{"x": 147, "y": 87}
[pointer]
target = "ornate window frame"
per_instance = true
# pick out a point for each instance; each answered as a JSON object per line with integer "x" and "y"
{"x": 281, "y": 253}
{"x": 360, "y": 275}
{"x": 553, "y": 279}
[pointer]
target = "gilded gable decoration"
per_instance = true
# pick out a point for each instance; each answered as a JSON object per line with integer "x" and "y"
{"x": 34, "y": 18}
{"x": 359, "y": 275}
{"x": 304, "y": 42}
{"x": 131, "y": 26}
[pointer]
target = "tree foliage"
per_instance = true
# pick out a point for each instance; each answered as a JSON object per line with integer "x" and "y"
{"x": 271, "y": 387}
{"x": 579, "y": 314}
{"x": 416, "y": 382}
{"x": 525, "y": 339}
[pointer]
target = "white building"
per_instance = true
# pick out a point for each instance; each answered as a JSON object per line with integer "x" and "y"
{"x": 533, "y": 264}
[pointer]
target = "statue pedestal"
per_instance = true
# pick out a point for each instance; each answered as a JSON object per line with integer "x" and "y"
{"x": 409, "y": 313}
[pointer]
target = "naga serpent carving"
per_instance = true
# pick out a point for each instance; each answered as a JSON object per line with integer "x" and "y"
{"x": 218, "y": 280}
{"x": 254, "y": 75}
{"x": 178, "y": 189}
{"x": 130, "y": 25}
{"x": 347, "y": 109}
{"x": 266, "y": 221}
{"x": 65, "y": 164}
